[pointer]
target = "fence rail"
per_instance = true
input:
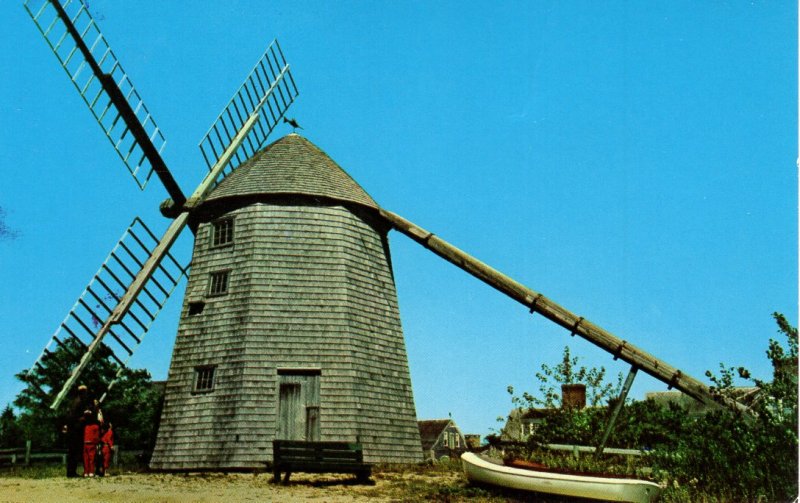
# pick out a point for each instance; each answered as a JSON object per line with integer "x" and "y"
{"x": 575, "y": 449}
{"x": 25, "y": 456}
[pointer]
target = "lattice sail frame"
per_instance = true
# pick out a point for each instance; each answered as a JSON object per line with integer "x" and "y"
{"x": 45, "y": 15}
{"x": 269, "y": 89}
{"x": 99, "y": 298}
{"x": 239, "y": 131}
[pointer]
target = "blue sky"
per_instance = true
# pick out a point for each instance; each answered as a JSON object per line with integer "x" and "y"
{"x": 635, "y": 162}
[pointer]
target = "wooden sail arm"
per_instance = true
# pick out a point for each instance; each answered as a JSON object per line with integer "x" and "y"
{"x": 151, "y": 264}
{"x": 538, "y": 303}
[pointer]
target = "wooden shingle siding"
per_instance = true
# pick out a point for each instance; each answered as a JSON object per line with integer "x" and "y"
{"x": 310, "y": 286}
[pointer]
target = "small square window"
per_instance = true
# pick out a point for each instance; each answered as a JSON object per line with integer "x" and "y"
{"x": 219, "y": 283}
{"x": 222, "y": 232}
{"x": 203, "y": 379}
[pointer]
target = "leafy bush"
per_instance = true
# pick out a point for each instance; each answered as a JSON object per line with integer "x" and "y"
{"x": 739, "y": 456}
{"x": 598, "y": 391}
{"x": 718, "y": 454}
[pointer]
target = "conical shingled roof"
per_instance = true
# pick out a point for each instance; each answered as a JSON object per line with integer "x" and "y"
{"x": 292, "y": 165}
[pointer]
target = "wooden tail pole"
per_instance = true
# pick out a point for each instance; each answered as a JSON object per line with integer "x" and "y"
{"x": 538, "y": 303}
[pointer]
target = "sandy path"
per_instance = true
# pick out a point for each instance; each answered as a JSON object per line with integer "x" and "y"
{"x": 228, "y": 488}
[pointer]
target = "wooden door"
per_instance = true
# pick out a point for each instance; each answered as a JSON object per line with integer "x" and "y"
{"x": 291, "y": 422}
{"x": 298, "y": 405}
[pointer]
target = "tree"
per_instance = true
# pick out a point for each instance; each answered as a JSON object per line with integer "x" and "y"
{"x": 10, "y": 431}
{"x": 132, "y": 404}
{"x": 598, "y": 391}
{"x": 567, "y": 425}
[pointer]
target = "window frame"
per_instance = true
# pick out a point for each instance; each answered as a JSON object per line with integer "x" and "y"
{"x": 209, "y": 381}
{"x": 212, "y": 292}
{"x": 218, "y": 232}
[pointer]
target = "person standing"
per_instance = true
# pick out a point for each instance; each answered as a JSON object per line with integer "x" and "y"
{"x": 91, "y": 438}
{"x": 73, "y": 428}
{"x": 107, "y": 440}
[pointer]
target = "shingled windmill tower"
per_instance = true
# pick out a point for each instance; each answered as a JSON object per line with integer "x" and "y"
{"x": 290, "y": 327}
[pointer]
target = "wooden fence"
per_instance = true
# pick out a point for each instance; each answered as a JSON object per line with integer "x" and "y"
{"x": 576, "y": 449}
{"x": 25, "y": 456}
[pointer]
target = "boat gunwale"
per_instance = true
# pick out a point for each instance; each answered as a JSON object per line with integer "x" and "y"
{"x": 536, "y": 474}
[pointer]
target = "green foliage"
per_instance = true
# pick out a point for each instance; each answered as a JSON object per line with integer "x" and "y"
{"x": 564, "y": 424}
{"x": 648, "y": 425}
{"x": 598, "y": 391}
{"x": 10, "y": 431}
{"x": 39, "y": 471}
{"x": 132, "y": 405}
{"x": 735, "y": 455}
{"x": 713, "y": 455}
{"x": 442, "y": 482}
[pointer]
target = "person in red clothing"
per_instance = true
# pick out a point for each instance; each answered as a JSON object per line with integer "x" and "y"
{"x": 91, "y": 437}
{"x": 107, "y": 441}
{"x": 73, "y": 428}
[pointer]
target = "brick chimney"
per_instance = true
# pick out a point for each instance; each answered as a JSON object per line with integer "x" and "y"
{"x": 573, "y": 396}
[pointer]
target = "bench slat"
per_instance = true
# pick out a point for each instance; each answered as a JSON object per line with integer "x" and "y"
{"x": 319, "y": 457}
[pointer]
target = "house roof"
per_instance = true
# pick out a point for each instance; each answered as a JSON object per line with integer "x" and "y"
{"x": 430, "y": 430}
{"x": 746, "y": 395}
{"x": 292, "y": 165}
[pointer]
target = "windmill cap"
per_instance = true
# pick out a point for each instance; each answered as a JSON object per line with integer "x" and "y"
{"x": 292, "y": 165}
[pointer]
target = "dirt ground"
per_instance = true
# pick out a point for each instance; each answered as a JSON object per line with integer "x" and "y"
{"x": 229, "y": 488}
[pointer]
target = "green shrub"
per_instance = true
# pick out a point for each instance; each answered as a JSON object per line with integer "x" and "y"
{"x": 716, "y": 455}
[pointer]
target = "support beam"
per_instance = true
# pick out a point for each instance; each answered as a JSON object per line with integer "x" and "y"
{"x": 538, "y": 303}
{"x": 626, "y": 388}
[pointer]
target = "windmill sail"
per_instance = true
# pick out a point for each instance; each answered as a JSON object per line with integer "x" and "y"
{"x": 97, "y": 302}
{"x": 269, "y": 89}
{"x": 129, "y": 301}
{"x": 84, "y": 53}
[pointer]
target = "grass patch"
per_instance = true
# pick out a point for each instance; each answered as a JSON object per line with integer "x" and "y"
{"x": 627, "y": 466}
{"x": 35, "y": 471}
{"x": 442, "y": 482}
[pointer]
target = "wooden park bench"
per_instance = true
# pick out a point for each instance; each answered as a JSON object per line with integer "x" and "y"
{"x": 318, "y": 457}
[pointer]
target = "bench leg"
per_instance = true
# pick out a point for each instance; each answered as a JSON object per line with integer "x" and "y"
{"x": 363, "y": 476}
{"x": 286, "y": 478}
{"x": 276, "y": 476}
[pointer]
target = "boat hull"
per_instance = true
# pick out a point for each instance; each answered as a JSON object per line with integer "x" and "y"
{"x": 480, "y": 470}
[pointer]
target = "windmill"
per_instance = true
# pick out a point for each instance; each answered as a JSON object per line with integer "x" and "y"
{"x": 140, "y": 273}
{"x": 290, "y": 321}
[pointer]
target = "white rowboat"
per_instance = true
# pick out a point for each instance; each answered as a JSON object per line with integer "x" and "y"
{"x": 481, "y": 470}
